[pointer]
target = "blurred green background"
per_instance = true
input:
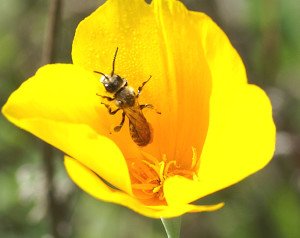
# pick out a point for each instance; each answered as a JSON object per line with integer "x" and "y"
{"x": 267, "y": 35}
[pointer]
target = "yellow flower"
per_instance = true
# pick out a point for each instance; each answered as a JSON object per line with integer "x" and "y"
{"x": 214, "y": 129}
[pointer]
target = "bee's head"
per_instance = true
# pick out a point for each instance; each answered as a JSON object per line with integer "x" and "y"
{"x": 113, "y": 83}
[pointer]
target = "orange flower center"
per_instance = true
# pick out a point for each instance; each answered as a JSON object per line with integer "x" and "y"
{"x": 149, "y": 174}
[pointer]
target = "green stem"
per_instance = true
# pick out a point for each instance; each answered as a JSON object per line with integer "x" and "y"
{"x": 172, "y": 226}
{"x": 54, "y": 211}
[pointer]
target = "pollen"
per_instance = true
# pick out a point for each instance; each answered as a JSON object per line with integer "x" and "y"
{"x": 149, "y": 174}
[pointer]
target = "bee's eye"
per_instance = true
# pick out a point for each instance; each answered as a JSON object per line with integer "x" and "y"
{"x": 110, "y": 87}
{"x": 114, "y": 84}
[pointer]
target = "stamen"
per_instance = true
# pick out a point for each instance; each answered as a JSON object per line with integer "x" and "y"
{"x": 168, "y": 166}
{"x": 194, "y": 158}
{"x": 161, "y": 170}
{"x": 138, "y": 177}
{"x": 152, "y": 166}
{"x": 143, "y": 186}
{"x": 149, "y": 174}
{"x": 156, "y": 189}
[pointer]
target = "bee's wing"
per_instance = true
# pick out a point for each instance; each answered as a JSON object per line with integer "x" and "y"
{"x": 136, "y": 117}
{"x": 138, "y": 126}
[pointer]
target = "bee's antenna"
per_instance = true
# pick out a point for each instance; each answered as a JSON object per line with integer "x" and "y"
{"x": 113, "y": 64}
{"x": 97, "y": 72}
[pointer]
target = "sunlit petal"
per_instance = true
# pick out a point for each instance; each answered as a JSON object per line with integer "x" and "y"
{"x": 92, "y": 184}
{"x": 59, "y": 105}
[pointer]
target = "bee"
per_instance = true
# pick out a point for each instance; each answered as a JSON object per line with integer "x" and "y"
{"x": 126, "y": 99}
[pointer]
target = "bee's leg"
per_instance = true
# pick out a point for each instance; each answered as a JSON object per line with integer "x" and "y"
{"x": 111, "y": 112}
{"x": 141, "y": 87}
{"x": 106, "y": 97}
{"x": 118, "y": 128}
{"x": 149, "y": 106}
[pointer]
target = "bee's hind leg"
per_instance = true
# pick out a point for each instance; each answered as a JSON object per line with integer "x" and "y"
{"x": 118, "y": 128}
{"x": 113, "y": 112}
{"x": 149, "y": 106}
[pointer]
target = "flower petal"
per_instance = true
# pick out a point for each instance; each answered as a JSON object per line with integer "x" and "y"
{"x": 239, "y": 144}
{"x": 92, "y": 184}
{"x": 188, "y": 67}
{"x": 147, "y": 37}
{"x": 59, "y": 105}
{"x": 241, "y": 133}
{"x": 240, "y": 140}
{"x": 180, "y": 190}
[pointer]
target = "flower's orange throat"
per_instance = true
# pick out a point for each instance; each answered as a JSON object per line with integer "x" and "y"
{"x": 149, "y": 174}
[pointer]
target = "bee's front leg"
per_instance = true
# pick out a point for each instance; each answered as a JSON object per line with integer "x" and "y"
{"x": 149, "y": 106}
{"x": 141, "y": 87}
{"x": 106, "y": 97}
